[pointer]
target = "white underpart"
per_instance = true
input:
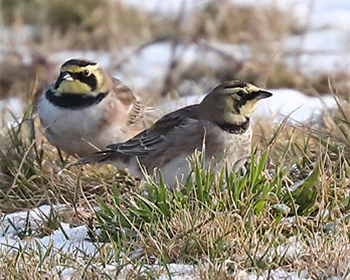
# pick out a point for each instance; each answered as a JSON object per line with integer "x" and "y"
{"x": 179, "y": 167}
{"x": 68, "y": 125}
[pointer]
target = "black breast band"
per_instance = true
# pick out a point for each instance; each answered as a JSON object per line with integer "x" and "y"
{"x": 73, "y": 100}
{"x": 234, "y": 128}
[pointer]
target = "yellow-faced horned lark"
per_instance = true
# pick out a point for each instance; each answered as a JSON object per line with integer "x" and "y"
{"x": 221, "y": 120}
{"x": 85, "y": 109}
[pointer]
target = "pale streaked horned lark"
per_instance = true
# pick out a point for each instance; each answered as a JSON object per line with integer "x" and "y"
{"x": 222, "y": 119}
{"x": 85, "y": 109}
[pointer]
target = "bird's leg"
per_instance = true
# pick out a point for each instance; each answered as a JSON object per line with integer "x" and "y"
{"x": 60, "y": 155}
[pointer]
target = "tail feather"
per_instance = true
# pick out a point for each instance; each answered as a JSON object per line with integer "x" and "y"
{"x": 99, "y": 157}
{"x": 111, "y": 157}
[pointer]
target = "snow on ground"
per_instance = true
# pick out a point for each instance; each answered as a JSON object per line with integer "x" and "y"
{"x": 319, "y": 51}
{"x": 278, "y": 274}
{"x": 11, "y": 112}
{"x": 316, "y": 14}
{"x": 298, "y": 107}
{"x": 10, "y": 224}
{"x": 324, "y": 48}
{"x": 148, "y": 68}
{"x": 65, "y": 239}
{"x": 77, "y": 244}
{"x": 169, "y": 8}
{"x": 74, "y": 241}
{"x": 285, "y": 102}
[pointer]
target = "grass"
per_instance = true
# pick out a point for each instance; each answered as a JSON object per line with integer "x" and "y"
{"x": 287, "y": 210}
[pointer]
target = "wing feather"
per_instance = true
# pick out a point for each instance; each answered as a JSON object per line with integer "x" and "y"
{"x": 139, "y": 115}
{"x": 149, "y": 139}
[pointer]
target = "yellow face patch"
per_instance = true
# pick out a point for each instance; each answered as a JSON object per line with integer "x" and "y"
{"x": 248, "y": 108}
{"x": 76, "y": 86}
{"x": 237, "y": 107}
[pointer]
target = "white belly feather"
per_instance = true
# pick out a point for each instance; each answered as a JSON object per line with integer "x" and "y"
{"x": 75, "y": 131}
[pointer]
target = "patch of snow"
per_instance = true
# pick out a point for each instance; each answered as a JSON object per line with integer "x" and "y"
{"x": 11, "y": 224}
{"x": 65, "y": 239}
{"x": 149, "y": 67}
{"x": 317, "y": 14}
{"x": 319, "y": 51}
{"x": 324, "y": 48}
{"x": 281, "y": 208}
{"x": 177, "y": 271}
{"x": 76, "y": 244}
{"x": 57, "y": 242}
{"x": 11, "y": 112}
{"x": 76, "y": 241}
{"x": 278, "y": 274}
{"x": 330, "y": 14}
{"x": 189, "y": 272}
{"x": 284, "y": 102}
{"x": 298, "y": 106}
{"x": 292, "y": 250}
{"x": 326, "y": 41}
{"x": 173, "y": 105}
{"x": 16, "y": 36}
{"x": 66, "y": 273}
{"x": 169, "y": 8}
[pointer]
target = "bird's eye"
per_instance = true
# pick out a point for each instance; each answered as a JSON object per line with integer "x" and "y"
{"x": 86, "y": 73}
{"x": 240, "y": 93}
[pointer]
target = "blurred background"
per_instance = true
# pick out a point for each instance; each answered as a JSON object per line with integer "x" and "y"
{"x": 179, "y": 49}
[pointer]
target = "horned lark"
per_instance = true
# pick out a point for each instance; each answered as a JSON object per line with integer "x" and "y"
{"x": 85, "y": 109}
{"x": 221, "y": 121}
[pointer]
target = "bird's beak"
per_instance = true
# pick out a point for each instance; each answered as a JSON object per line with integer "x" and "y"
{"x": 263, "y": 94}
{"x": 66, "y": 76}
{"x": 63, "y": 76}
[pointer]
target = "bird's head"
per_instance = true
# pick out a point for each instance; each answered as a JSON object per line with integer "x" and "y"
{"x": 233, "y": 101}
{"x": 81, "y": 76}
